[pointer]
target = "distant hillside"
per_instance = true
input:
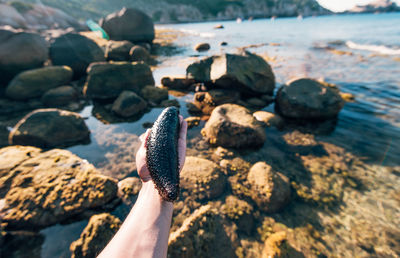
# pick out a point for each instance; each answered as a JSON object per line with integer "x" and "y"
{"x": 166, "y": 11}
{"x": 378, "y": 6}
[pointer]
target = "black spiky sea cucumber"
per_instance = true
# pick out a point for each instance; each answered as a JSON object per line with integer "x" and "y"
{"x": 162, "y": 154}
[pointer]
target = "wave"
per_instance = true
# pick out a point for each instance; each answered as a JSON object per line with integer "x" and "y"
{"x": 196, "y": 33}
{"x": 381, "y": 49}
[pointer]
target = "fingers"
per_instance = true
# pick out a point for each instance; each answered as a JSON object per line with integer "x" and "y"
{"x": 143, "y": 138}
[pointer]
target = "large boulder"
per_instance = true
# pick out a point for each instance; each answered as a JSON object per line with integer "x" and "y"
{"x": 269, "y": 189}
{"x": 108, "y": 80}
{"x": 48, "y": 128}
{"x": 202, "y": 178}
{"x": 129, "y": 104}
{"x": 202, "y": 234}
{"x": 129, "y": 24}
{"x": 200, "y": 70}
{"x": 75, "y": 51}
{"x": 207, "y": 101}
{"x": 308, "y": 99}
{"x": 20, "y": 51}
{"x": 34, "y": 83}
{"x": 45, "y": 188}
{"x": 118, "y": 50}
{"x": 96, "y": 235}
{"x": 60, "y": 96}
{"x": 233, "y": 126}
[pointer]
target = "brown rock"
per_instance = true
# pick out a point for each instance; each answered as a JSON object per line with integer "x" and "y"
{"x": 193, "y": 121}
{"x": 139, "y": 53}
{"x": 240, "y": 212}
{"x": 202, "y": 47}
{"x": 207, "y": 101}
{"x": 177, "y": 83}
{"x": 269, "y": 119}
{"x": 128, "y": 189}
{"x": 129, "y": 104}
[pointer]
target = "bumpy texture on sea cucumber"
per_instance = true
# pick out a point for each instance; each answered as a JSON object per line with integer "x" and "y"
{"x": 162, "y": 154}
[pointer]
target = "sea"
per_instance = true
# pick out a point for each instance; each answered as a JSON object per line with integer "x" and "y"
{"x": 359, "y": 53}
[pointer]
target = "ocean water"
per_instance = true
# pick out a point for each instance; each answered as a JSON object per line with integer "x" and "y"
{"x": 359, "y": 53}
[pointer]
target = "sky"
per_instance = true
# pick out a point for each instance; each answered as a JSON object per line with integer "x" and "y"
{"x": 341, "y": 5}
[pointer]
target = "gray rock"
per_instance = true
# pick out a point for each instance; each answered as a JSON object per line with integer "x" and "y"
{"x": 60, "y": 96}
{"x": 48, "y": 128}
{"x": 129, "y": 104}
{"x": 104, "y": 79}
{"x": 75, "y": 51}
{"x": 308, "y": 99}
{"x": 118, "y": 50}
{"x": 129, "y": 24}
{"x": 34, "y": 83}
{"x": 138, "y": 53}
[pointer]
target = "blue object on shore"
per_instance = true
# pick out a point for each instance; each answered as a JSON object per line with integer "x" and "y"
{"x": 93, "y": 26}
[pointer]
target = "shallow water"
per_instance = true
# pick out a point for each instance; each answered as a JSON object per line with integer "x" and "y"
{"x": 368, "y": 128}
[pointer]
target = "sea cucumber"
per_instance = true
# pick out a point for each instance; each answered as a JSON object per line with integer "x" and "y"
{"x": 162, "y": 154}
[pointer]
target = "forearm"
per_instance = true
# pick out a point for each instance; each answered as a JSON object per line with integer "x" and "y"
{"x": 146, "y": 229}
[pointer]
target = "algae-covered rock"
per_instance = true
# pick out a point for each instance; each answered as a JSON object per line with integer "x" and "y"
{"x": 202, "y": 178}
{"x": 154, "y": 94}
{"x": 108, "y": 80}
{"x": 207, "y": 101}
{"x": 128, "y": 189}
{"x": 270, "y": 190}
{"x": 48, "y": 128}
{"x": 50, "y": 187}
{"x": 201, "y": 235}
{"x": 276, "y": 246}
{"x": 308, "y": 99}
{"x": 128, "y": 104}
{"x": 239, "y": 211}
{"x": 234, "y": 126}
{"x": 96, "y": 235}
{"x": 34, "y": 83}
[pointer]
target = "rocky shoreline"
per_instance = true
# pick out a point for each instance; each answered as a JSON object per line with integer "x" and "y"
{"x": 255, "y": 183}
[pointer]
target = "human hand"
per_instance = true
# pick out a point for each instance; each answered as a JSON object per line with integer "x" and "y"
{"x": 141, "y": 165}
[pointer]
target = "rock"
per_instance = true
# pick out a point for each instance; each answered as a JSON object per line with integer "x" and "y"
{"x": 104, "y": 79}
{"x": 200, "y": 71}
{"x": 207, "y": 101}
{"x": 347, "y": 97}
{"x": 34, "y": 83}
{"x": 96, "y": 235}
{"x": 10, "y": 16}
{"x": 177, "y": 83}
{"x": 246, "y": 72}
{"x": 118, "y": 50}
{"x": 129, "y": 24}
{"x": 201, "y": 235}
{"x": 240, "y": 212}
{"x": 3, "y": 136}
{"x": 269, "y": 119}
{"x": 270, "y": 190}
{"x": 193, "y": 121}
{"x": 219, "y": 26}
{"x": 12, "y": 107}
{"x": 20, "y": 51}
{"x": 154, "y": 94}
{"x": 308, "y": 99}
{"x": 202, "y": 178}
{"x": 277, "y": 246}
{"x": 129, "y": 104}
{"x": 223, "y": 43}
{"x": 170, "y": 103}
{"x": 20, "y": 244}
{"x": 75, "y": 51}
{"x": 60, "y": 96}
{"x": 233, "y": 126}
{"x": 48, "y": 128}
{"x": 47, "y": 188}
{"x": 202, "y": 47}
{"x": 128, "y": 190}
{"x": 256, "y": 102}
{"x": 138, "y": 53}
{"x": 193, "y": 109}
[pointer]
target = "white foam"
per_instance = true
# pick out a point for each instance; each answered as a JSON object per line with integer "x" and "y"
{"x": 381, "y": 49}
{"x": 201, "y": 34}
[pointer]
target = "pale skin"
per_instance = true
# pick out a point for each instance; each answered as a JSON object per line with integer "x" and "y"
{"x": 145, "y": 231}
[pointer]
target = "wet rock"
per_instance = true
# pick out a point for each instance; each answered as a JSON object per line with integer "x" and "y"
{"x": 19, "y": 244}
{"x": 3, "y": 136}
{"x": 8, "y": 106}
{"x": 128, "y": 190}
{"x": 96, "y": 235}
{"x": 129, "y": 24}
{"x": 34, "y": 83}
{"x": 269, "y": 119}
{"x": 193, "y": 109}
{"x": 201, "y": 235}
{"x": 239, "y": 211}
{"x": 20, "y": 51}
{"x": 246, "y": 72}
{"x": 104, "y": 79}
{"x": 202, "y": 178}
{"x": 223, "y": 43}
{"x": 200, "y": 71}
{"x": 219, "y": 26}
{"x": 154, "y": 94}
{"x": 75, "y": 51}
{"x": 48, "y": 128}
{"x": 202, "y": 47}
{"x": 193, "y": 121}
{"x": 170, "y": 103}
{"x": 348, "y": 97}
{"x": 51, "y": 187}
{"x": 308, "y": 99}
{"x": 270, "y": 190}
{"x": 207, "y": 101}
{"x": 129, "y": 104}
{"x": 273, "y": 246}
{"x": 256, "y": 102}
{"x": 138, "y": 53}
{"x": 60, "y": 96}
{"x": 177, "y": 83}
{"x": 233, "y": 126}
{"x": 118, "y": 50}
